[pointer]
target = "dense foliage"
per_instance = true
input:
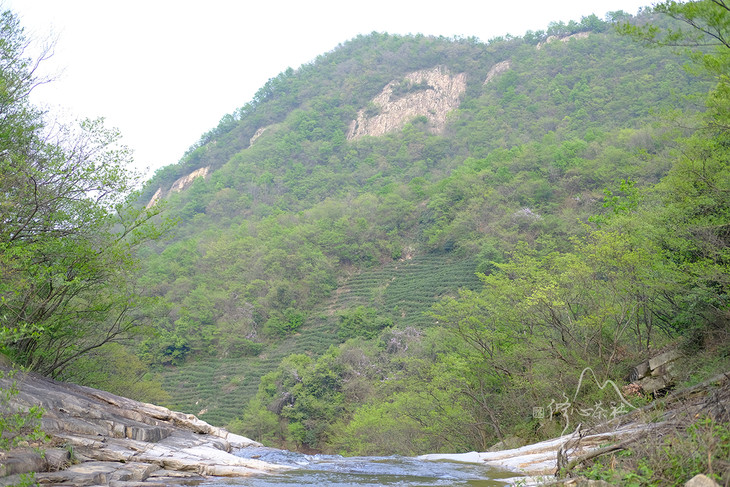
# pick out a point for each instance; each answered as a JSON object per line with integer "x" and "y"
{"x": 567, "y": 182}
{"x": 418, "y": 291}
{"x": 278, "y": 224}
{"x": 68, "y": 232}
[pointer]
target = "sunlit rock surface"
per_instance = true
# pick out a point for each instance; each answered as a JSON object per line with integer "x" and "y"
{"x": 431, "y": 93}
{"x": 98, "y": 438}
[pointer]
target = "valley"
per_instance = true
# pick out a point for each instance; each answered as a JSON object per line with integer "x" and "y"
{"x": 410, "y": 245}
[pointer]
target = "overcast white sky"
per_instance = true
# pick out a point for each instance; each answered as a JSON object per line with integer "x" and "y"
{"x": 164, "y": 72}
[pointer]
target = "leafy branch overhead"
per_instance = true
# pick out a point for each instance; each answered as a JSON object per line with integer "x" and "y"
{"x": 68, "y": 228}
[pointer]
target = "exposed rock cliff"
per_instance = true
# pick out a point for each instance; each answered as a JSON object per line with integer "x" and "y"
{"x": 258, "y": 134}
{"x": 98, "y": 438}
{"x": 431, "y": 93}
{"x": 579, "y": 35}
{"x": 498, "y": 68}
{"x": 179, "y": 185}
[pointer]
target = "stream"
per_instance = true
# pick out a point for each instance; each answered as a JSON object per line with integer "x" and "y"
{"x": 339, "y": 471}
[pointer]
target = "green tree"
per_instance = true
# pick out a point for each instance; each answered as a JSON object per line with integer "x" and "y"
{"x": 68, "y": 227}
{"x": 695, "y": 195}
{"x": 707, "y": 24}
{"x": 361, "y": 322}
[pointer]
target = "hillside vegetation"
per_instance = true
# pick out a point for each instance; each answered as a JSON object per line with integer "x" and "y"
{"x": 302, "y": 229}
{"x": 265, "y": 238}
{"x": 345, "y": 279}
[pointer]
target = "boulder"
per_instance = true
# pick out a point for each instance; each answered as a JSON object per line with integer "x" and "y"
{"x": 657, "y": 373}
{"x": 701, "y": 480}
{"x": 663, "y": 359}
{"x": 507, "y": 444}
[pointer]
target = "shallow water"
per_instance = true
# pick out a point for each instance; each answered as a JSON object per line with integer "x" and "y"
{"x": 338, "y": 471}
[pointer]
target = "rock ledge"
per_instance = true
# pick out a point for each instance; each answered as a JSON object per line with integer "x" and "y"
{"x": 98, "y": 438}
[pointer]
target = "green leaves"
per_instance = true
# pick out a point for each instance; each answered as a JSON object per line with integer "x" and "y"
{"x": 361, "y": 322}
{"x": 21, "y": 426}
{"x": 283, "y": 324}
{"x": 68, "y": 228}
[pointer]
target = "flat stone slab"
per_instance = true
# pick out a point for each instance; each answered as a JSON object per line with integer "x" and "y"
{"x": 121, "y": 442}
{"x": 663, "y": 358}
{"x": 538, "y": 459}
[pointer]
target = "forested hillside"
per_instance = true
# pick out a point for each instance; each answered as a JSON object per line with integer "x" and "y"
{"x": 276, "y": 226}
{"x": 411, "y": 242}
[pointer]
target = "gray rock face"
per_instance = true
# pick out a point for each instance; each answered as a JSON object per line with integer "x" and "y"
{"x": 497, "y": 69}
{"x": 180, "y": 184}
{"x": 440, "y": 95}
{"x": 98, "y": 438}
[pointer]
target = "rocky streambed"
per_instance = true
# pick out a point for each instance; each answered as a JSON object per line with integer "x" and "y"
{"x": 98, "y": 438}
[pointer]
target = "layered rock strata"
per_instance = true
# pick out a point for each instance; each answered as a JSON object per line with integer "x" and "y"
{"x": 98, "y": 438}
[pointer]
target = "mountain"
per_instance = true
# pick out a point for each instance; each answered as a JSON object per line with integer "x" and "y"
{"x": 355, "y": 192}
